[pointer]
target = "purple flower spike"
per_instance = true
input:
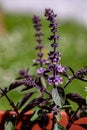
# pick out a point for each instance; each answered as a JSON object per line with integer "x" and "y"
{"x": 53, "y": 24}
{"x": 38, "y": 35}
{"x": 54, "y": 66}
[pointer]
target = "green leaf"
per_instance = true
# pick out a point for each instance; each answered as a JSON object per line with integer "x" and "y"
{"x": 35, "y": 116}
{"x": 10, "y": 123}
{"x": 61, "y": 94}
{"x": 58, "y": 117}
{"x": 57, "y": 98}
{"x": 43, "y": 82}
{"x": 9, "y": 126}
{"x": 60, "y": 127}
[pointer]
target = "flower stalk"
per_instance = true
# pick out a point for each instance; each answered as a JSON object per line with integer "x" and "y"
{"x": 54, "y": 56}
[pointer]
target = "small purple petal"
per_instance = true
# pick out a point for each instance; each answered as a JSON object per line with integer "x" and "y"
{"x": 40, "y": 70}
{"x": 58, "y": 80}
{"x": 50, "y": 80}
{"x": 55, "y": 61}
{"x": 60, "y": 68}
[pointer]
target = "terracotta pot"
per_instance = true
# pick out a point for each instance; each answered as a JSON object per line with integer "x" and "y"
{"x": 75, "y": 125}
{"x": 36, "y": 126}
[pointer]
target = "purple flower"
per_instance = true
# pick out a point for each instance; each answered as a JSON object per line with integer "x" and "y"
{"x": 55, "y": 60}
{"x": 40, "y": 71}
{"x": 54, "y": 56}
{"x": 50, "y": 80}
{"x": 46, "y": 61}
{"x": 50, "y": 67}
{"x": 36, "y": 61}
{"x": 60, "y": 69}
{"x": 55, "y": 80}
{"x": 58, "y": 80}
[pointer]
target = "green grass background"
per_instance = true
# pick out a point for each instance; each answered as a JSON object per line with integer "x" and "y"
{"x": 17, "y": 50}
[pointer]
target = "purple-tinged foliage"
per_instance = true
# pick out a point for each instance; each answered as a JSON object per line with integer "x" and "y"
{"x": 49, "y": 73}
{"x": 76, "y": 98}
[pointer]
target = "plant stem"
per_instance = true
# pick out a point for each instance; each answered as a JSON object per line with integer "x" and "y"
{"x": 69, "y": 81}
{"x": 73, "y": 118}
{"x": 11, "y": 103}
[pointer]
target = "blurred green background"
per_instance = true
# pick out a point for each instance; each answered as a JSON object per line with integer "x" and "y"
{"x": 17, "y": 49}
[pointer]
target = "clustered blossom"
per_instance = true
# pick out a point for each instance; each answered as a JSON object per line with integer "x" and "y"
{"x": 57, "y": 80}
{"x": 44, "y": 61}
{"x": 54, "y": 56}
{"x": 58, "y": 68}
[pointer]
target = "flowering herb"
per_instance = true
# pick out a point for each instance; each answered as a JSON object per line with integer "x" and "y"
{"x": 54, "y": 56}
{"x": 48, "y": 76}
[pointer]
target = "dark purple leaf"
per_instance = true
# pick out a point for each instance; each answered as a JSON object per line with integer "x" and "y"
{"x": 24, "y": 100}
{"x": 16, "y": 84}
{"x": 84, "y": 126}
{"x": 47, "y": 108}
{"x": 45, "y": 101}
{"x": 76, "y": 98}
{"x": 83, "y": 112}
{"x": 38, "y": 82}
{"x": 26, "y": 88}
